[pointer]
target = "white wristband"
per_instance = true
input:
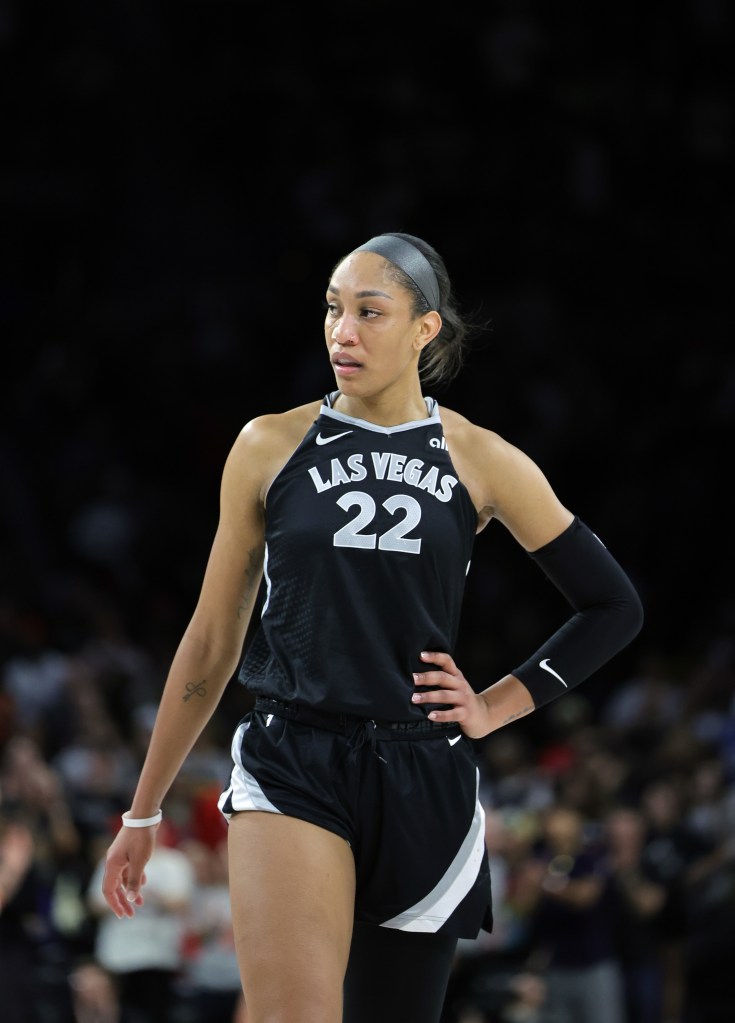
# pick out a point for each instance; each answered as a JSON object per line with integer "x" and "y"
{"x": 141, "y": 822}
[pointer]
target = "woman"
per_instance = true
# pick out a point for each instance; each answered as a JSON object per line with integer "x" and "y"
{"x": 356, "y": 846}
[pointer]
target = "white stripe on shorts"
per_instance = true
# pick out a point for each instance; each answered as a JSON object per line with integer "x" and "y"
{"x": 245, "y": 791}
{"x": 434, "y": 909}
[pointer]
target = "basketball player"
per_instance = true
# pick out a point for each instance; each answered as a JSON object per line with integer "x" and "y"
{"x": 356, "y": 838}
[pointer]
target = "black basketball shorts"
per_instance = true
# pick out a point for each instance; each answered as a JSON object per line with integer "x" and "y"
{"x": 403, "y": 795}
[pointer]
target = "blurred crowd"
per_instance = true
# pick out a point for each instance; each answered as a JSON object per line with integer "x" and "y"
{"x": 69, "y": 759}
{"x": 175, "y": 187}
{"x": 611, "y": 832}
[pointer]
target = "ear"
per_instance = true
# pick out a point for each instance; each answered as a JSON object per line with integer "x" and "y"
{"x": 429, "y": 326}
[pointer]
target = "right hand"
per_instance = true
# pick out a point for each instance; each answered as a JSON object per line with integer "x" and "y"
{"x": 125, "y": 869}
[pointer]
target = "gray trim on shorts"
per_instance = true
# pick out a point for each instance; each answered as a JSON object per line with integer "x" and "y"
{"x": 434, "y": 909}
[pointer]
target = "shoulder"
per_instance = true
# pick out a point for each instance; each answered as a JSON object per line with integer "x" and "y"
{"x": 504, "y": 482}
{"x": 275, "y": 429}
{"x": 266, "y": 442}
{"x": 479, "y": 450}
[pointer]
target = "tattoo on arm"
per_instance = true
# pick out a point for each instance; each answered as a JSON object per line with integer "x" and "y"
{"x": 195, "y": 689}
{"x": 518, "y": 714}
{"x": 252, "y": 579}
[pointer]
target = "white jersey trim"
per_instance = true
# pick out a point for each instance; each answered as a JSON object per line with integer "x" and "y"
{"x": 432, "y": 407}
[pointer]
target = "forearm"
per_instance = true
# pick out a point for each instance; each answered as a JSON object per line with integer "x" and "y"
{"x": 506, "y": 701}
{"x": 198, "y": 676}
{"x": 608, "y": 614}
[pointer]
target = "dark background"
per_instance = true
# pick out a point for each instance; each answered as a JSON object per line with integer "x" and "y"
{"x": 177, "y": 180}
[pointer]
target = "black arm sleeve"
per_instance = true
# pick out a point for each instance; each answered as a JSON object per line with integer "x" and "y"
{"x": 609, "y": 613}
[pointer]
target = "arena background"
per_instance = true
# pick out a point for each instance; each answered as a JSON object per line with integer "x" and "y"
{"x": 178, "y": 179}
{"x": 176, "y": 182}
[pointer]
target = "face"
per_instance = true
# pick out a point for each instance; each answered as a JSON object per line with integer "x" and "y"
{"x": 625, "y": 830}
{"x": 564, "y": 829}
{"x": 373, "y": 339}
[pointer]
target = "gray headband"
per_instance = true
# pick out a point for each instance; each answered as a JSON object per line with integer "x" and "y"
{"x": 409, "y": 259}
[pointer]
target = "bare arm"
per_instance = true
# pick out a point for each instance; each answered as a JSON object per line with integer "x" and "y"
{"x": 206, "y": 657}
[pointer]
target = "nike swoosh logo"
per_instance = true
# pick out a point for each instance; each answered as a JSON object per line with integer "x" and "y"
{"x": 328, "y": 440}
{"x": 545, "y": 665}
{"x": 455, "y": 739}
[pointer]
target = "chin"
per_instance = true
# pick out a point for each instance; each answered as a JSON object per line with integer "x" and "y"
{"x": 348, "y": 385}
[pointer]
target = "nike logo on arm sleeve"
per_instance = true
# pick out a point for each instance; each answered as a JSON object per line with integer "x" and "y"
{"x": 545, "y": 665}
{"x": 607, "y": 613}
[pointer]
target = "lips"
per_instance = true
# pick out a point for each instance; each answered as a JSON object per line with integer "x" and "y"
{"x": 345, "y": 366}
{"x": 345, "y": 361}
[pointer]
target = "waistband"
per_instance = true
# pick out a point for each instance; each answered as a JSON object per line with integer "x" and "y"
{"x": 347, "y": 724}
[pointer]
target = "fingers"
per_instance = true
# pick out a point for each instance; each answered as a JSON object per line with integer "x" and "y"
{"x": 121, "y": 898}
{"x": 445, "y": 661}
{"x": 123, "y": 880}
{"x": 133, "y": 886}
{"x": 450, "y": 687}
{"x": 115, "y": 894}
{"x": 436, "y": 696}
{"x": 449, "y": 676}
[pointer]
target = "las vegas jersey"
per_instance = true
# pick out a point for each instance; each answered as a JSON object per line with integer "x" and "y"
{"x": 369, "y": 535}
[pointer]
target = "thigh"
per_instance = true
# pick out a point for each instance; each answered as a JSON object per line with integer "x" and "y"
{"x": 292, "y": 886}
{"x": 397, "y": 976}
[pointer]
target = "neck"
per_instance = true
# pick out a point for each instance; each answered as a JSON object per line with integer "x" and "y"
{"x": 383, "y": 410}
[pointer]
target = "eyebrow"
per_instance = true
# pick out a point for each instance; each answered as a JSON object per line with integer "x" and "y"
{"x": 363, "y": 294}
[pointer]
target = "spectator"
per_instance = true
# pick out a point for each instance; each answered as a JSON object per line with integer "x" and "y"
{"x": 17, "y": 910}
{"x": 490, "y": 971}
{"x": 638, "y": 903}
{"x": 36, "y": 677}
{"x": 686, "y": 862}
{"x": 93, "y": 994}
{"x": 573, "y": 941}
{"x": 210, "y": 986}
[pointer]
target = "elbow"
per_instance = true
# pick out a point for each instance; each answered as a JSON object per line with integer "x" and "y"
{"x": 625, "y": 620}
{"x": 634, "y": 616}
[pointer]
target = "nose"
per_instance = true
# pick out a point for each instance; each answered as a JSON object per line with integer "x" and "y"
{"x": 344, "y": 332}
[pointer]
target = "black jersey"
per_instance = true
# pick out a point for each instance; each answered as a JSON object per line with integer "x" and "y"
{"x": 369, "y": 534}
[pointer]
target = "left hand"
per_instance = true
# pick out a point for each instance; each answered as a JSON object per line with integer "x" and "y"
{"x": 467, "y": 707}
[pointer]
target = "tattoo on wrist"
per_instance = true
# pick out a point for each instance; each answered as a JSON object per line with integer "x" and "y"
{"x": 195, "y": 689}
{"x": 518, "y": 714}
